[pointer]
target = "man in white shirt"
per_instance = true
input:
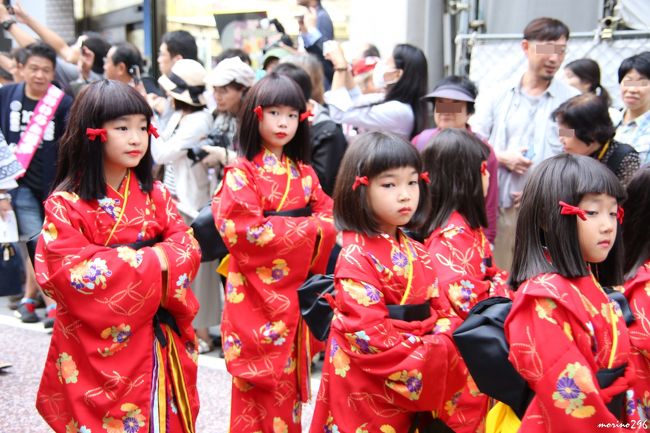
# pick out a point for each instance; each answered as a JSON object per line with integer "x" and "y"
{"x": 517, "y": 121}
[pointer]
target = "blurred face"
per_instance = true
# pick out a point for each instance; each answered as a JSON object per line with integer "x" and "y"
{"x": 572, "y": 80}
{"x": 545, "y": 57}
{"x": 38, "y": 73}
{"x": 278, "y": 127}
{"x": 597, "y": 233}
{"x": 126, "y": 144}
{"x": 111, "y": 70}
{"x": 635, "y": 91}
{"x": 165, "y": 60}
{"x": 450, "y": 113}
{"x": 572, "y": 144}
{"x": 393, "y": 197}
{"x": 228, "y": 99}
{"x": 391, "y": 73}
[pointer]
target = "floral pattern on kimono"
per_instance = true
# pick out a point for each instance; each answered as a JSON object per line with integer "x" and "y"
{"x": 560, "y": 332}
{"x": 105, "y": 370}
{"x": 462, "y": 258}
{"x": 637, "y": 292}
{"x": 379, "y": 371}
{"x": 266, "y": 345}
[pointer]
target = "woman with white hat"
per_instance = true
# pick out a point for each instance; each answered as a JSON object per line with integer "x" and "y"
{"x": 230, "y": 80}
{"x": 188, "y": 180}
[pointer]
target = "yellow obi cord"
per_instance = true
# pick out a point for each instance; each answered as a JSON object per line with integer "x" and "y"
{"x": 126, "y": 199}
{"x": 409, "y": 282}
{"x": 178, "y": 382}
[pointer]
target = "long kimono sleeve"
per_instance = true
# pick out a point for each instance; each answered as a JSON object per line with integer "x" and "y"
{"x": 544, "y": 341}
{"x": 252, "y": 238}
{"x": 417, "y": 361}
{"x": 82, "y": 276}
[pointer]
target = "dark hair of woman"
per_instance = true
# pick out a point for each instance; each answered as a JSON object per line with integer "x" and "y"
{"x": 639, "y": 62}
{"x": 273, "y": 90}
{"x": 412, "y": 85}
{"x": 128, "y": 54}
{"x": 636, "y": 236}
{"x": 80, "y": 167}
{"x": 369, "y": 155}
{"x": 588, "y": 71}
{"x": 546, "y": 241}
{"x": 99, "y": 47}
{"x": 588, "y": 116}
{"x": 297, "y": 74}
{"x": 453, "y": 159}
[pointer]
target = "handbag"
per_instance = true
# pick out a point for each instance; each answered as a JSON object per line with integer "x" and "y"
{"x": 208, "y": 237}
{"x": 11, "y": 270}
{"x": 314, "y": 308}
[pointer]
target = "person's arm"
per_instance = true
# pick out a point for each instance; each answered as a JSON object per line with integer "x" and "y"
{"x": 342, "y": 74}
{"x": 20, "y": 36}
{"x": 45, "y": 33}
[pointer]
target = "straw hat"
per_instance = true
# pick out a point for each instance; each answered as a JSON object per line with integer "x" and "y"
{"x": 229, "y": 70}
{"x": 185, "y": 82}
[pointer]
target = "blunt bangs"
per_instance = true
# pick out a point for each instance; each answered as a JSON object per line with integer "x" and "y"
{"x": 116, "y": 101}
{"x": 542, "y": 229}
{"x": 280, "y": 90}
{"x": 385, "y": 151}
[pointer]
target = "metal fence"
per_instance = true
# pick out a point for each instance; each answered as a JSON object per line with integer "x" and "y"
{"x": 493, "y": 59}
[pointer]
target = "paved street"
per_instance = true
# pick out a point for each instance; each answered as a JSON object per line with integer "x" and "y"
{"x": 25, "y": 347}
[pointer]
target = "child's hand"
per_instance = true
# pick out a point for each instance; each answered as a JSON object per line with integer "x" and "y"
{"x": 161, "y": 258}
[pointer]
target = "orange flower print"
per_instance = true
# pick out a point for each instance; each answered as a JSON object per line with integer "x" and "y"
{"x": 120, "y": 335}
{"x": 131, "y": 422}
{"x": 50, "y": 233}
{"x": 451, "y": 231}
{"x": 274, "y": 332}
{"x": 329, "y": 426}
{"x": 400, "y": 261}
{"x": 73, "y": 427}
{"x": 231, "y": 347}
{"x": 362, "y": 292}
{"x": 339, "y": 359}
{"x": 227, "y": 231}
{"x": 363, "y": 428}
{"x": 275, "y": 274}
{"x": 406, "y": 383}
{"x": 66, "y": 369}
{"x": 544, "y": 308}
{"x": 442, "y": 325}
{"x": 571, "y": 388}
{"x": 279, "y": 426}
{"x": 86, "y": 276}
{"x": 236, "y": 179}
{"x": 462, "y": 295}
{"x": 130, "y": 256}
{"x": 234, "y": 281}
{"x": 387, "y": 428}
{"x": 296, "y": 412}
{"x": 307, "y": 185}
{"x": 241, "y": 384}
{"x": 260, "y": 235}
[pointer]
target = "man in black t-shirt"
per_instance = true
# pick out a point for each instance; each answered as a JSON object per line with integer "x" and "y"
{"x": 20, "y": 101}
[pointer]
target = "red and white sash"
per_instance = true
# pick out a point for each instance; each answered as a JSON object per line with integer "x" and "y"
{"x": 41, "y": 117}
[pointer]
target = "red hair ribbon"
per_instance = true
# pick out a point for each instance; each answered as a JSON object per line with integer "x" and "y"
{"x": 567, "y": 209}
{"x": 306, "y": 115}
{"x": 425, "y": 176}
{"x": 484, "y": 167}
{"x": 153, "y": 131}
{"x": 359, "y": 180}
{"x": 92, "y": 134}
{"x": 260, "y": 114}
{"x": 619, "y": 214}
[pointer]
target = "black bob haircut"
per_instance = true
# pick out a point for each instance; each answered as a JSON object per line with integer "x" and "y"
{"x": 297, "y": 74}
{"x": 639, "y": 62}
{"x": 181, "y": 42}
{"x": 127, "y": 53}
{"x": 588, "y": 116}
{"x": 542, "y": 230}
{"x": 80, "y": 167}
{"x": 636, "y": 236}
{"x": 369, "y": 155}
{"x": 453, "y": 159}
{"x": 273, "y": 90}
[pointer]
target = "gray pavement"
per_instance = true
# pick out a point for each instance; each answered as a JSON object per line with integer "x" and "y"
{"x": 25, "y": 347}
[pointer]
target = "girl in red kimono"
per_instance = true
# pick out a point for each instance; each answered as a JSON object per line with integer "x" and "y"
{"x": 567, "y": 339}
{"x": 118, "y": 259}
{"x": 636, "y": 238}
{"x": 459, "y": 249}
{"x": 267, "y": 347}
{"x": 390, "y": 360}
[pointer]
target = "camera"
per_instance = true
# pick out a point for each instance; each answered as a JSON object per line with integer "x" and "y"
{"x": 215, "y": 138}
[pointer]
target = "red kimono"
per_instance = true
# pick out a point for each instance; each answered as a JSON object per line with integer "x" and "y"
{"x": 637, "y": 292}
{"x": 560, "y": 332}
{"x": 379, "y": 371}
{"x": 106, "y": 371}
{"x": 462, "y": 258}
{"x": 266, "y": 344}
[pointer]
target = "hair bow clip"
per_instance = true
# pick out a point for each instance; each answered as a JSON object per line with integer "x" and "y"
{"x": 306, "y": 115}
{"x": 484, "y": 167}
{"x": 425, "y": 176}
{"x": 359, "y": 180}
{"x": 260, "y": 114}
{"x": 620, "y": 213}
{"x": 152, "y": 130}
{"x": 567, "y": 209}
{"x": 92, "y": 134}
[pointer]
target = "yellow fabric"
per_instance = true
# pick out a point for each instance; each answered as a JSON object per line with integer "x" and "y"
{"x": 409, "y": 282}
{"x": 223, "y": 266}
{"x": 502, "y": 419}
{"x": 126, "y": 198}
{"x": 178, "y": 382}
